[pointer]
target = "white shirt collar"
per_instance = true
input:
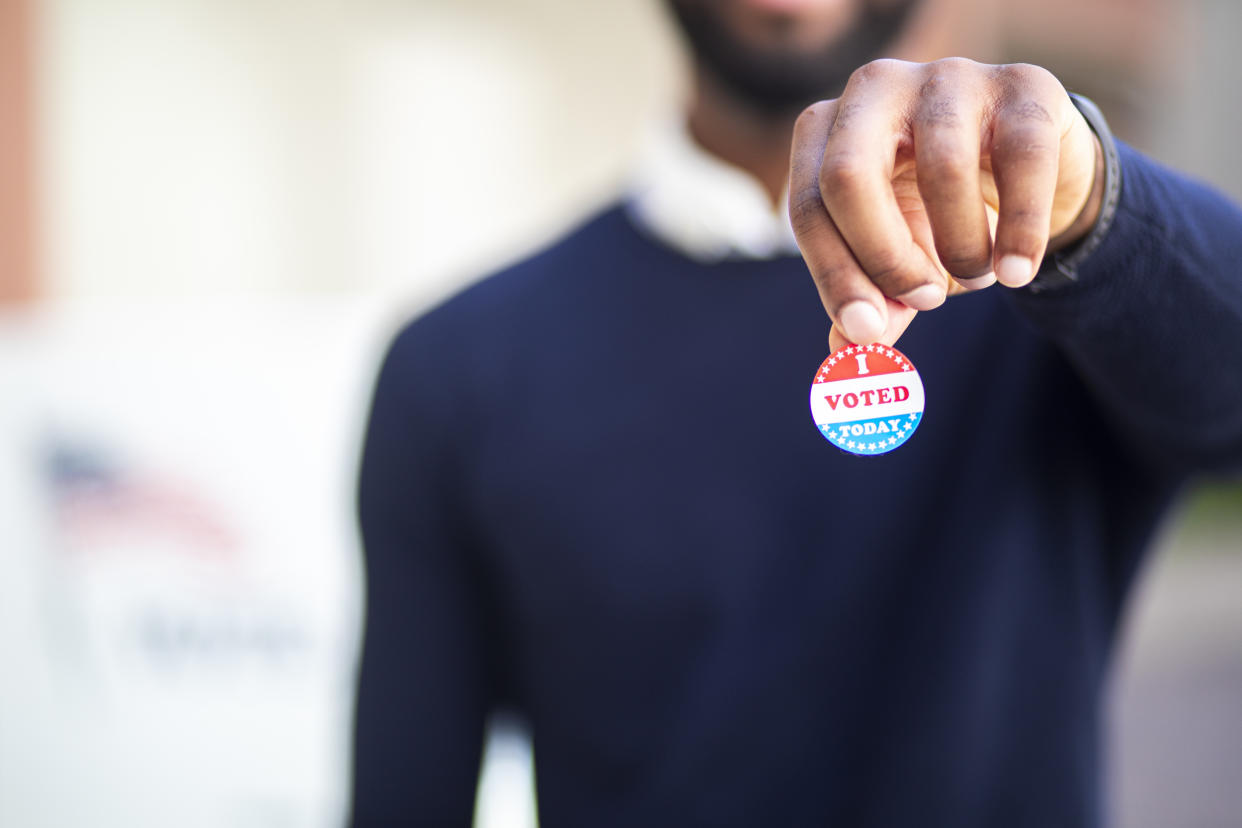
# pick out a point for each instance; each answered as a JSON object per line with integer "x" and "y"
{"x": 702, "y": 206}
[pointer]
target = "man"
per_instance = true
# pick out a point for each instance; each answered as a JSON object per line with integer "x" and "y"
{"x": 591, "y": 490}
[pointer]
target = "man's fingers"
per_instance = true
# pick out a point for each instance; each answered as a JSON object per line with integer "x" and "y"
{"x": 927, "y": 179}
{"x": 1025, "y": 157}
{"x": 856, "y": 182}
{"x": 946, "y": 130}
{"x": 899, "y": 318}
{"x": 855, "y": 305}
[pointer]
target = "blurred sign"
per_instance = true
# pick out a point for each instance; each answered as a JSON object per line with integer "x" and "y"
{"x": 179, "y": 575}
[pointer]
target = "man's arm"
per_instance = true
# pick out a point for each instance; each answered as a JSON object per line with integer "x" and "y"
{"x": 423, "y": 688}
{"x": 1153, "y": 321}
{"x": 928, "y": 179}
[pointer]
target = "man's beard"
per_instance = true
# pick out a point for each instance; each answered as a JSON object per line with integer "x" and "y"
{"x": 777, "y": 82}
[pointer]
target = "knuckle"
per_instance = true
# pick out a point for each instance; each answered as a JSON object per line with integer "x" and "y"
{"x": 836, "y": 280}
{"x": 841, "y": 172}
{"x": 875, "y": 70}
{"x": 964, "y": 261}
{"x": 1026, "y": 154}
{"x": 938, "y": 110}
{"x": 947, "y": 74}
{"x": 958, "y": 65}
{"x": 1022, "y": 216}
{"x": 1025, "y": 74}
{"x": 1024, "y": 236}
{"x": 811, "y": 115}
{"x": 833, "y": 281}
{"x": 945, "y": 172}
{"x": 1029, "y": 111}
{"x": 863, "y": 74}
{"x": 806, "y": 209}
{"x": 945, "y": 164}
{"x": 846, "y": 113}
{"x": 888, "y": 271}
{"x": 950, "y": 85}
{"x": 1026, "y": 81}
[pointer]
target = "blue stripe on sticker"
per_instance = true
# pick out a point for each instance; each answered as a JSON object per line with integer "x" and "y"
{"x": 874, "y": 436}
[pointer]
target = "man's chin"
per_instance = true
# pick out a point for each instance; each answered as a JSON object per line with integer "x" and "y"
{"x": 791, "y": 7}
{"x": 767, "y": 70}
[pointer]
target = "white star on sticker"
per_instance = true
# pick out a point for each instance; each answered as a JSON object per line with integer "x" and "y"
{"x": 871, "y": 349}
{"x": 892, "y": 440}
{"x": 905, "y": 367}
{"x": 851, "y": 444}
{"x": 889, "y": 353}
{"x": 913, "y": 417}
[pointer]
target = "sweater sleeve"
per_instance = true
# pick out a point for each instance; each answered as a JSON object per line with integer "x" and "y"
{"x": 423, "y": 684}
{"x": 1153, "y": 323}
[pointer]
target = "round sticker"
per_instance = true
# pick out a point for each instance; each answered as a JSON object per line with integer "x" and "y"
{"x": 867, "y": 399}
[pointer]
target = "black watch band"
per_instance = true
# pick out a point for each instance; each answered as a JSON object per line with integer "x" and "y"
{"x": 1061, "y": 268}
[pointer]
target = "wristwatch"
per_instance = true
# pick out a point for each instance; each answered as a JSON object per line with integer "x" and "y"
{"x": 1061, "y": 268}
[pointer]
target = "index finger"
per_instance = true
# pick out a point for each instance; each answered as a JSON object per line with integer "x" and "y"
{"x": 856, "y": 306}
{"x": 857, "y": 183}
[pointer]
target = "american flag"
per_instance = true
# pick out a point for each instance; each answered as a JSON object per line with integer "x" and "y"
{"x": 99, "y": 501}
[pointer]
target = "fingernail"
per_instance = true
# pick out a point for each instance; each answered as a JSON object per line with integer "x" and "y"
{"x": 860, "y": 322}
{"x": 923, "y": 297}
{"x": 978, "y": 282}
{"x": 1014, "y": 271}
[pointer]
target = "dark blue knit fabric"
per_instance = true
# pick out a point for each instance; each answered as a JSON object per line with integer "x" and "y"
{"x": 592, "y": 492}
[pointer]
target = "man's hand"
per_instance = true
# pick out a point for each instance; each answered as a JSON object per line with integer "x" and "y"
{"x": 923, "y": 180}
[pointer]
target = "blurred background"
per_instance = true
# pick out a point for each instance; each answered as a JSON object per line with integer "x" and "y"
{"x": 213, "y": 213}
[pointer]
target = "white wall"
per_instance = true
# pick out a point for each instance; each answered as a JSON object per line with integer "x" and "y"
{"x": 194, "y": 147}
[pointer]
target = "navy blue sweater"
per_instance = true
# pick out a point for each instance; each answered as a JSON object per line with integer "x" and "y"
{"x": 592, "y": 492}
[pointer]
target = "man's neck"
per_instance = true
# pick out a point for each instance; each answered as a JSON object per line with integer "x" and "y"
{"x": 755, "y": 141}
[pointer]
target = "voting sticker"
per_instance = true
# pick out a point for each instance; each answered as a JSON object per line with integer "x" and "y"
{"x": 867, "y": 399}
